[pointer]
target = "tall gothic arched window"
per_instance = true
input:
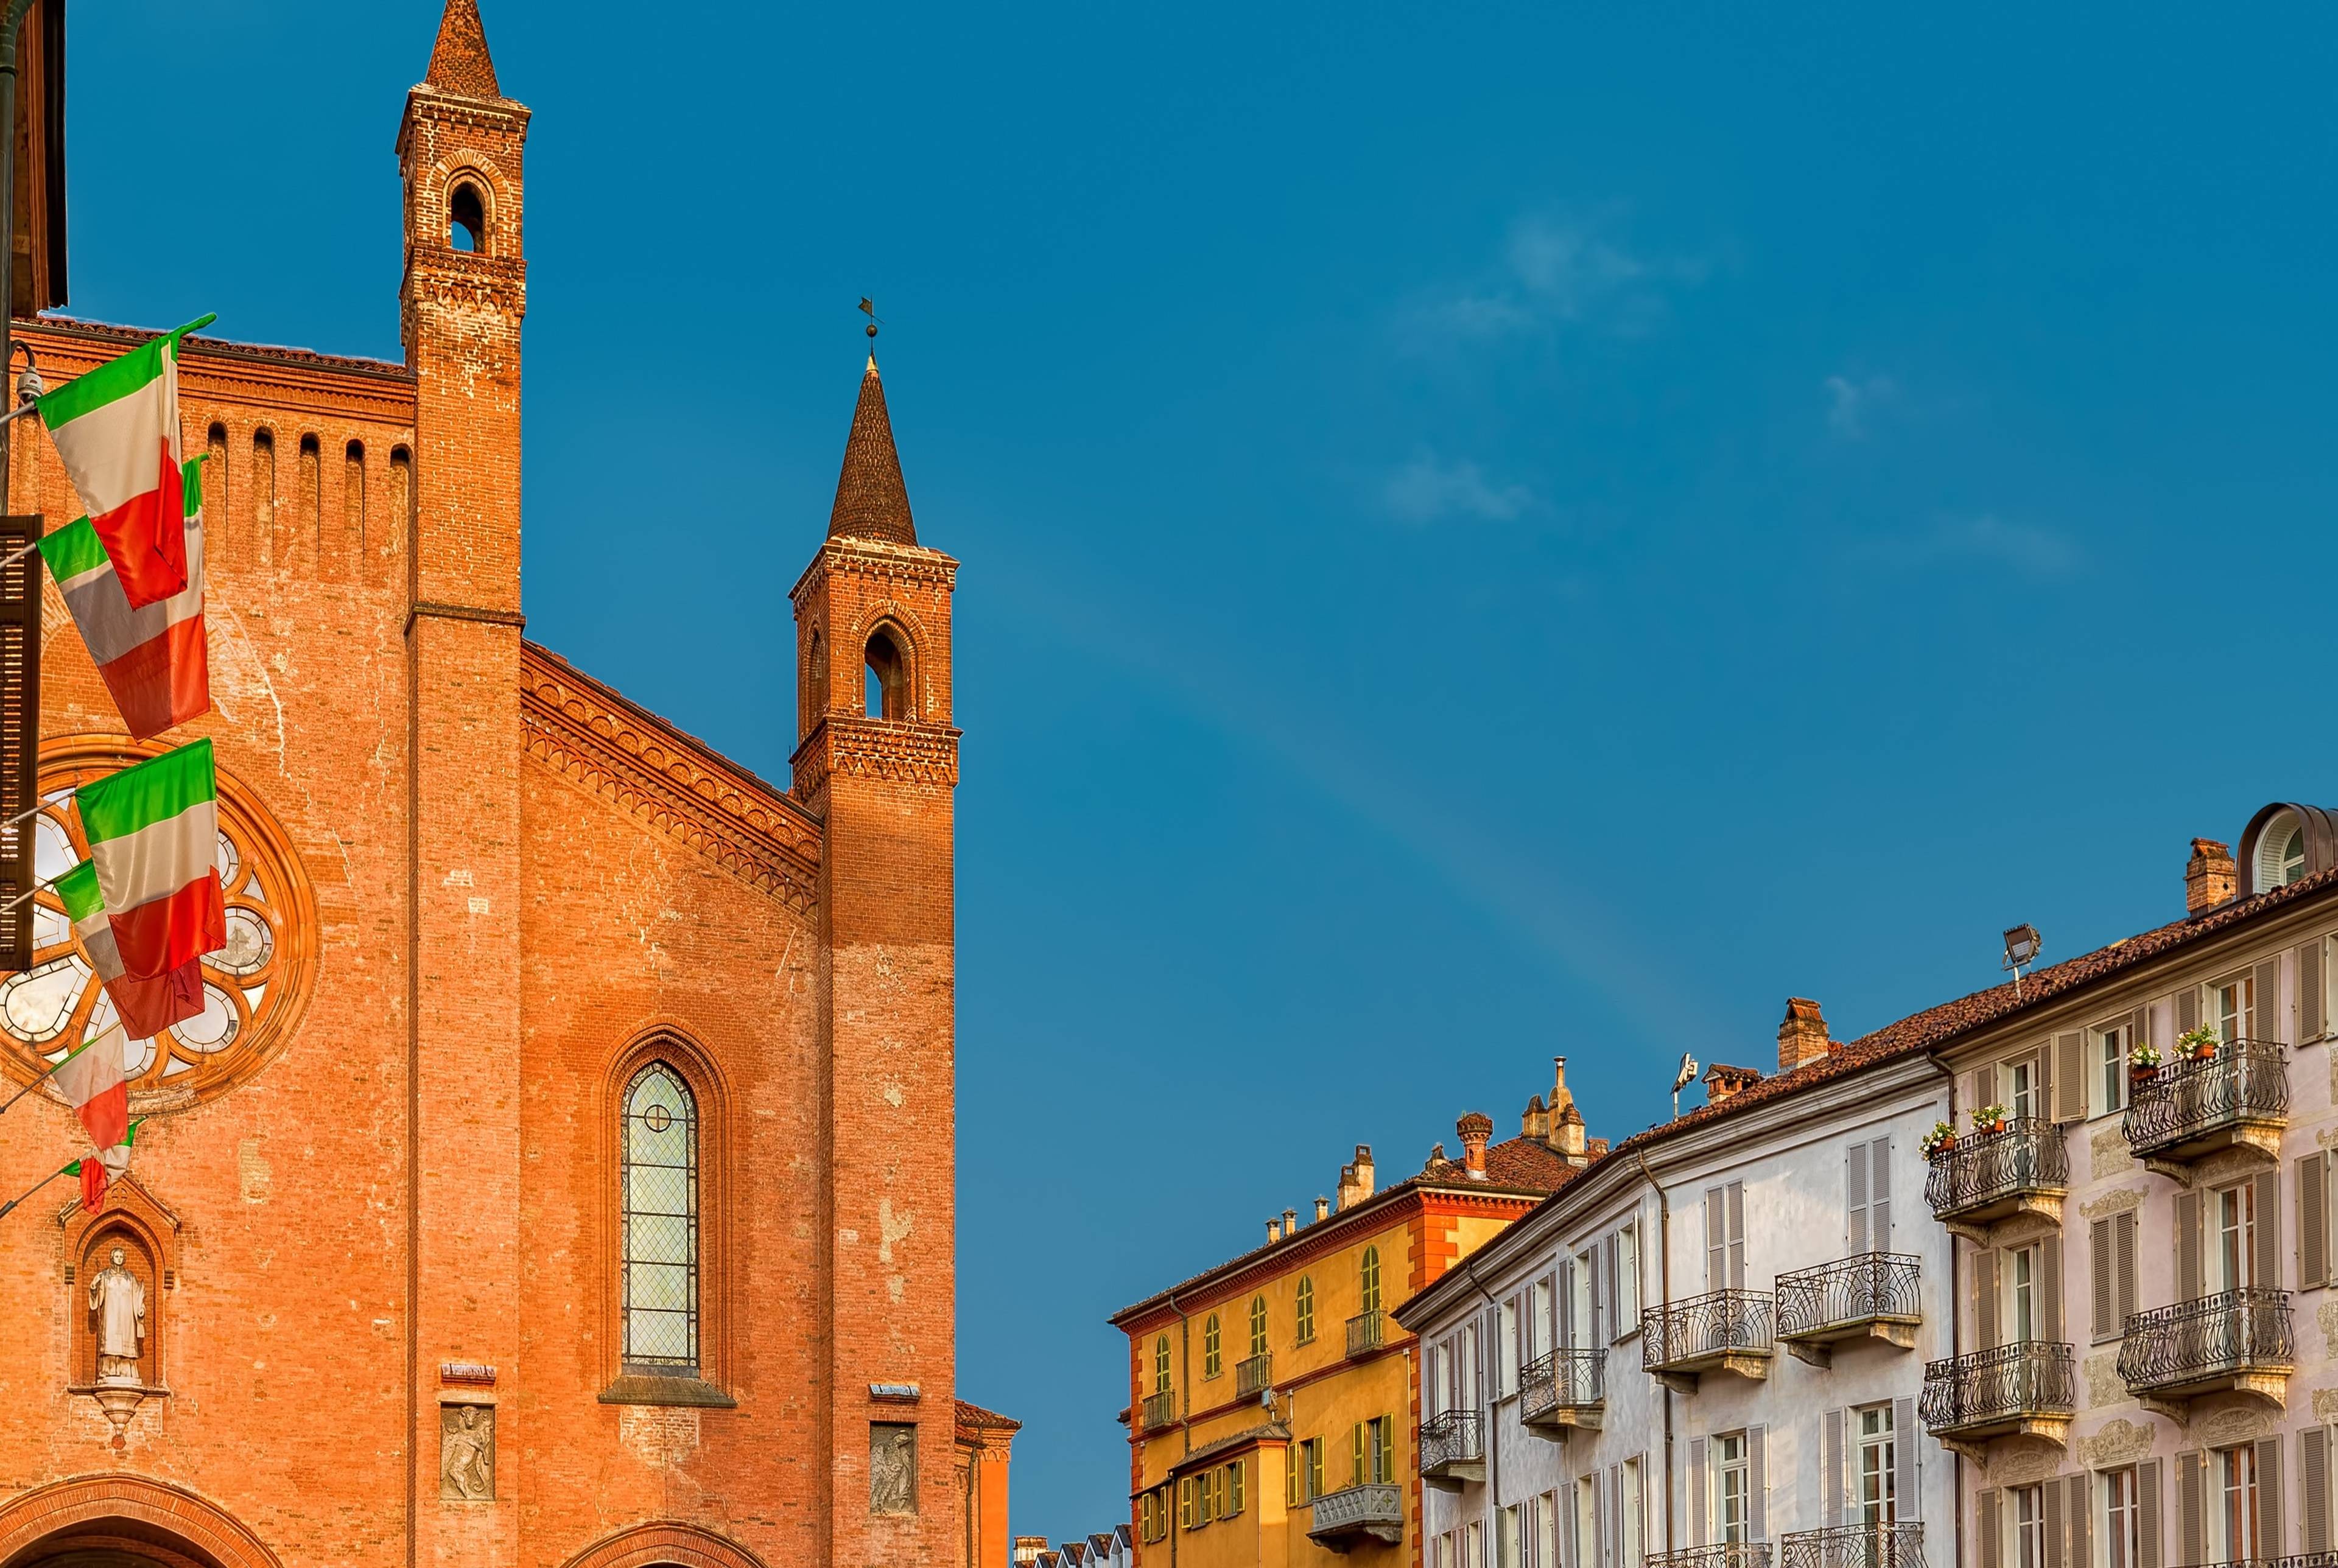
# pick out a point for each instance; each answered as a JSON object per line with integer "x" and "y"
{"x": 658, "y": 1203}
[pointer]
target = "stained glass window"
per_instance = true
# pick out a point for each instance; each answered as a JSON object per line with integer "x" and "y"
{"x": 659, "y": 1204}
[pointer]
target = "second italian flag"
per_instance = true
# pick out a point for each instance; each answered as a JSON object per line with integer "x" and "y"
{"x": 155, "y": 658}
{"x": 117, "y": 430}
{"x": 154, "y": 836}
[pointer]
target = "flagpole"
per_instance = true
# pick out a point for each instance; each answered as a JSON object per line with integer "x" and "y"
{"x": 36, "y": 1186}
{"x": 36, "y": 1082}
{"x": 11, "y": 29}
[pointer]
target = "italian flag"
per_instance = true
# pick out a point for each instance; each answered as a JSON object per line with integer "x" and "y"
{"x": 155, "y": 658}
{"x": 104, "y": 1168}
{"x": 117, "y": 432}
{"x": 148, "y": 1006}
{"x": 153, "y": 836}
{"x": 93, "y": 1083}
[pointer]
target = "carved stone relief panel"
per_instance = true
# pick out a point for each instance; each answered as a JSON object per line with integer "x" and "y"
{"x": 2109, "y": 1152}
{"x": 892, "y": 1467}
{"x": 2120, "y": 1442}
{"x": 466, "y": 1453}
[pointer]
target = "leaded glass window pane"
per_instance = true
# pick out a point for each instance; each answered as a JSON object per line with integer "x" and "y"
{"x": 659, "y": 1205}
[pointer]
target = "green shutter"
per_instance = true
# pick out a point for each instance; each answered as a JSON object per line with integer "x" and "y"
{"x": 1356, "y": 1450}
{"x": 1234, "y": 1488}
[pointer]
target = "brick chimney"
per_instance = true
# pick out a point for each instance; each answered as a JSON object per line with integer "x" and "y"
{"x": 1721, "y": 1083}
{"x": 2208, "y": 877}
{"x": 1536, "y": 1122}
{"x": 1475, "y": 1129}
{"x": 1355, "y": 1179}
{"x": 1322, "y": 1210}
{"x": 1274, "y": 1231}
{"x": 1291, "y": 1221}
{"x": 1802, "y": 1036}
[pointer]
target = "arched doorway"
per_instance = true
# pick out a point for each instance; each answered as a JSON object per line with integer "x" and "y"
{"x": 124, "y": 1521}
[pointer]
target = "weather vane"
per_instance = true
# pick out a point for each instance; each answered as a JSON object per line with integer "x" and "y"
{"x": 869, "y": 310}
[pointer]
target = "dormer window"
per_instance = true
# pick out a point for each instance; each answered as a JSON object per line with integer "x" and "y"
{"x": 2285, "y": 843}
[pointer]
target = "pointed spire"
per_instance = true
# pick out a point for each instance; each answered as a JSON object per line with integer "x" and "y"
{"x": 871, "y": 502}
{"x": 459, "y": 62}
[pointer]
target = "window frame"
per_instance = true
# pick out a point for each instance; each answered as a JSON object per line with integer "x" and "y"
{"x": 1882, "y": 1446}
{"x": 1729, "y": 1467}
{"x": 2118, "y": 1515}
{"x": 1212, "y": 1348}
{"x": 686, "y": 1060}
{"x": 2108, "y": 1047}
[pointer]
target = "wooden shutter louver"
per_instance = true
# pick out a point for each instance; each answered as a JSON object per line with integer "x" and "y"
{"x": 1992, "y": 1546}
{"x": 1904, "y": 1448}
{"x": 2049, "y": 1261}
{"x": 2081, "y": 1557}
{"x": 2313, "y": 1220}
{"x": 20, "y": 734}
{"x": 1879, "y": 1197}
{"x": 2270, "y": 1023}
{"x": 2270, "y": 1516}
{"x": 1699, "y": 1513}
{"x": 2147, "y": 1515}
{"x": 1832, "y": 1465}
{"x": 2070, "y": 1077}
{"x": 2314, "y": 1488}
{"x": 2057, "y": 1528}
{"x": 2123, "y": 1258}
{"x": 1757, "y": 1483}
{"x": 2103, "y": 1268}
{"x": 2187, "y": 1010}
{"x": 1854, "y": 1182}
{"x": 2264, "y": 1267}
{"x": 2310, "y": 993}
{"x": 1985, "y": 1299}
{"x": 2188, "y": 1279}
{"x": 2191, "y": 1506}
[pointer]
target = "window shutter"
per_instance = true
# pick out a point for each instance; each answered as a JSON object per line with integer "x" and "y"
{"x": 1294, "y": 1466}
{"x": 2270, "y": 1022}
{"x": 1757, "y": 1484}
{"x": 2314, "y": 1488}
{"x": 1854, "y": 1188}
{"x": 2189, "y": 1281}
{"x": 1879, "y": 1197}
{"x": 1599, "y": 1521}
{"x": 2269, "y": 1509}
{"x": 1992, "y": 1546}
{"x": 1615, "y": 1303}
{"x": 2313, "y": 1220}
{"x": 2147, "y": 1515}
{"x": 1737, "y": 1235}
{"x": 1985, "y": 1297}
{"x": 2123, "y": 1246}
{"x": 2311, "y": 992}
{"x": 1600, "y": 1328}
{"x": 2057, "y": 1528}
{"x": 2187, "y": 1010}
{"x": 2070, "y": 1077}
{"x": 2101, "y": 1266}
{"x": 2042, "y": 1099}
{"x": 1983, "y": 1089}
{"x": 1566, "y": 1302}
{"x": 20, "y": 735}
{"x": 1699, "y": 1518}
{"x": 1905, "y": 1446}
{"x": 2049, "y": 1256}
{"x": 1356, "y": 1451}
{"x": 2074, "y": 1510}
{"x": 1615, "y": 1515}
{"x": 2138, "y": 1026}
{"x": 2264, "y": 1269}
{"x": 1830, "y": 1467}
{"x": 2191, "y": 1508}
{"x": 1717, "y": 1239}
{"x": 1234, "y": 1487}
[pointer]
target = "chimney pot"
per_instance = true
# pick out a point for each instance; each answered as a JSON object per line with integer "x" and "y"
{"x": 1322, "y": 1208}
{"x": 1356, "y": 1177}
{"x": 1291, "y": 1221}
{"x": 1803, "y": 1035}
{"x": 1274, "y": 1231}
{"x": 2209, "y": 878}
{"x": 1475, "y": 1129}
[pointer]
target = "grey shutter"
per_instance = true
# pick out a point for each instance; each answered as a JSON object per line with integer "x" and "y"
{"x": 2122, "y": 1250}
{"x": 2057, "y": 1529}
{"x": 2314, "y": 1488}
{"x": 2189, "y": 1284}
{"x": 20, "y": 736}
{"x": 2187, "y": 1010}
{"x": 2269, "y": 1023}
{"x": 1599, "y": 1517}
{"x": 2102, "y": 1267}
{"x": 1600, "y": 1327}
{"x": 2269, "y": 1511}
{"x": 1992, "y": 1544}
{"x": 2311, "y": 992}
{"x": 2050, "y": 1257}
{"x": 2070, "y": 1077}
{"x": 2138, "y": 1026}
{"x": 1615, "y": 1325}
{"x": 1699, "y": 1518}
{"x": 1906, "y": 1440}
{"x": 2042, "y": 1077}
{"x": 2264, "y": 1267}
{"x": 1830, "y": 1467}
{"x": 1985, "y": 1297}
{"x": 2313, "y": 1220}
{"x": 1878, "y": 1195}
{"x": 1566, "y": 1306}
{"x": 2074, "y": 1510}
{"x": 2147, "y": 1515}
{"x": 1737, "y": 1235}
{"x": 1757, "y": 1483}
{"x": 2191, "y": 1508}
{"x": 1855, "y": 1197}
{"x": 1717, "y": 1239}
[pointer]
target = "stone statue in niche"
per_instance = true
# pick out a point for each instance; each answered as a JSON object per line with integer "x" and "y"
{"x": 892, "y": 1467}
{"x": 466, "y": 1453}
{"x": 118, "y": 1301}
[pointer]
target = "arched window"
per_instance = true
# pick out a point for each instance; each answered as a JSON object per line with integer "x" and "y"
{"x": 467, "y": 218}
{"x": 2279, "y": 854}
{"x": 1371, "y": 1279}
{"x": 1303, "y": 1308}
{"x": 1258, "y": 1326}
{"x": 887, "y": 696}
{"x": 658, "y": 1202}
{"x": 263, "y": 483}
{"x": 815, "y": 693}
{"x": 215, "y": 478}
{"x": 353, "y": 493}
{"x": 1161, "y": 1365}
{"x": 1210, "y": 1346}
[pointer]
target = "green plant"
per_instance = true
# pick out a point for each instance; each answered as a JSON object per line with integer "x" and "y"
{"x": 1942, "y": 1136}
{"x": 1988, "y": 1118}
{"x": 2145, "y": 1054}
{"x": 2199, "y": 1043}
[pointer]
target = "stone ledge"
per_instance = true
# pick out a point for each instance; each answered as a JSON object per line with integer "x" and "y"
{"x": 633, "y": 1388}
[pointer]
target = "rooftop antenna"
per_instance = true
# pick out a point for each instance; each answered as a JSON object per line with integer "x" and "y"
{"x": 1681, "y": 1080}
{"x": 2021, "y": 945}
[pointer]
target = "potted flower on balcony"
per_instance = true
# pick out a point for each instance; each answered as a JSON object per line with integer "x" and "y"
{"x": 2142, "y": 1061}
{"x": 1988, "y": 1119}
{"x": 1939, "y": 1141}
{"x": 2198, "y": 1044}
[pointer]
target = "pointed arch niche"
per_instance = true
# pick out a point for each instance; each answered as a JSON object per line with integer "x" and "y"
{"x": 148, "y": 1234}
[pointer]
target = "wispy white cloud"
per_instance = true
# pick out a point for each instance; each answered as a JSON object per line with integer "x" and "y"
{"x": 1853, "y": 401}
{"x": 2030, "y": 551}
{"x": 1428, "y": 489}
{"x": 1556, "y": 271}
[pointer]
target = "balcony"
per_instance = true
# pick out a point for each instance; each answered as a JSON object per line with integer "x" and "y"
{"x": 2238, "y": 1097}
{"x": 2237, "y": 1342}
{"x": 1160, "y": 1410}
{"x": 1564, "y": 1388}
{"x": 1875, "y": 1296}
{"x": 1366, "y": 1331}
{"x": 1254, "y": 1374}
{"x": 1452, "y": 1450}
{"x": 1987, "y": 1177}
{"x": 1854, "y": 1546}
{"x": 1736, "y": 1555}
{"x": 1726, "y": 1331}
{"x": 1346, "y": 1519}
{"x": 2024, "y": 1390}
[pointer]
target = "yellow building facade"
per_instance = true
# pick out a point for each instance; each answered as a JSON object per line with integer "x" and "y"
{"x": 1274, "y": 1401}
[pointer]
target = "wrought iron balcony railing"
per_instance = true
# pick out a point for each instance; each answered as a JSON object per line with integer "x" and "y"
{"x": 1375, "y": 1509}
{"x": 1254, "y": 1374}
{"x": 2188, "y": 1108}
{"x": 1734, "y": 1554}
{"x": 1854, "y": 1546}
{"x": 1160, "y": 1409}
{"x": 1843, "y": 1299}
{"x": 1452, "y": 1449}
{"x": 2216, "y": 1342}
{"x": 1986, "y": 1175}
{"x": 1564, "y": 1388}
{"x": 2002, "y": 1390}
{"x": 1365, "y": 1332}
{"x": 1720, "y": 1330}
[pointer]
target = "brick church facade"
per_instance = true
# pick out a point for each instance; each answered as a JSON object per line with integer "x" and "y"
{"x": 561, "y": 1174}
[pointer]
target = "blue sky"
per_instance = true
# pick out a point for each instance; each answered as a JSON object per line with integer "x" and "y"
{"x": 1486, "y": 533}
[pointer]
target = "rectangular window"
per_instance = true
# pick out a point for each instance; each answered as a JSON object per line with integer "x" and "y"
{"x": 1732, "y": 1503}
{"x": 1440, "y": 1551}
{"x": 2119, "y": 1519}
{"x": 1314, "y": 1477}
{"x": 2024, "y": 1316}
{"x": 1725, "y": 1236}
{"x": 1585, "y": 1508}
{"x": 2111, "y": 1044}
{"x": 2233, "y": 1533}
{"x": 1877, "y": 1493}
{"x": 1629, "y": 1527}
{"x": 2233, "y": 1007}
{"x": 1235, "y": 1488}
{"x": 2019, "y": 1088}
{"x": 1583, "y": 1334}
{"x": 1473, "y": 1546}
{"x": 1867, "y": 1192}
{"x": 1628, "y": 1280}
{"x": 2232, "y": 1240}
{"x": 1546, "y": 1531}
{"x": 2025, "y": 1520}
{"x": 1538, "y": 1320}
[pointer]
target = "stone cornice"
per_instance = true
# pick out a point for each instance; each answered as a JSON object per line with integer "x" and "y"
{"x": 605, "y": 745}
{"x": 880, "y": 559}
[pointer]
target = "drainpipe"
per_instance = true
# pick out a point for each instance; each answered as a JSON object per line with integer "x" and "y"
{"x": 1663, "y": 1303}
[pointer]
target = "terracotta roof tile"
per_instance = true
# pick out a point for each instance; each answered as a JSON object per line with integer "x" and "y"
{"x": 972, "y": 1415}
{"x": 871, "y": 502}
{"x": 460, "y": 62}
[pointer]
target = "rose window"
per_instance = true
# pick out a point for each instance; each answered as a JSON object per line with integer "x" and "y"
{"x": 251, "y": 987}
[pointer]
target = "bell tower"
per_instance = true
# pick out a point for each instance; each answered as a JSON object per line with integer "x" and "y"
{"x": 877, "y": 760}
{"x": 460, "y": 304}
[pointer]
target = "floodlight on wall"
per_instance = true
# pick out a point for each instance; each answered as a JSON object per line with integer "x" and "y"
{"x": 2021, "y": 945}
